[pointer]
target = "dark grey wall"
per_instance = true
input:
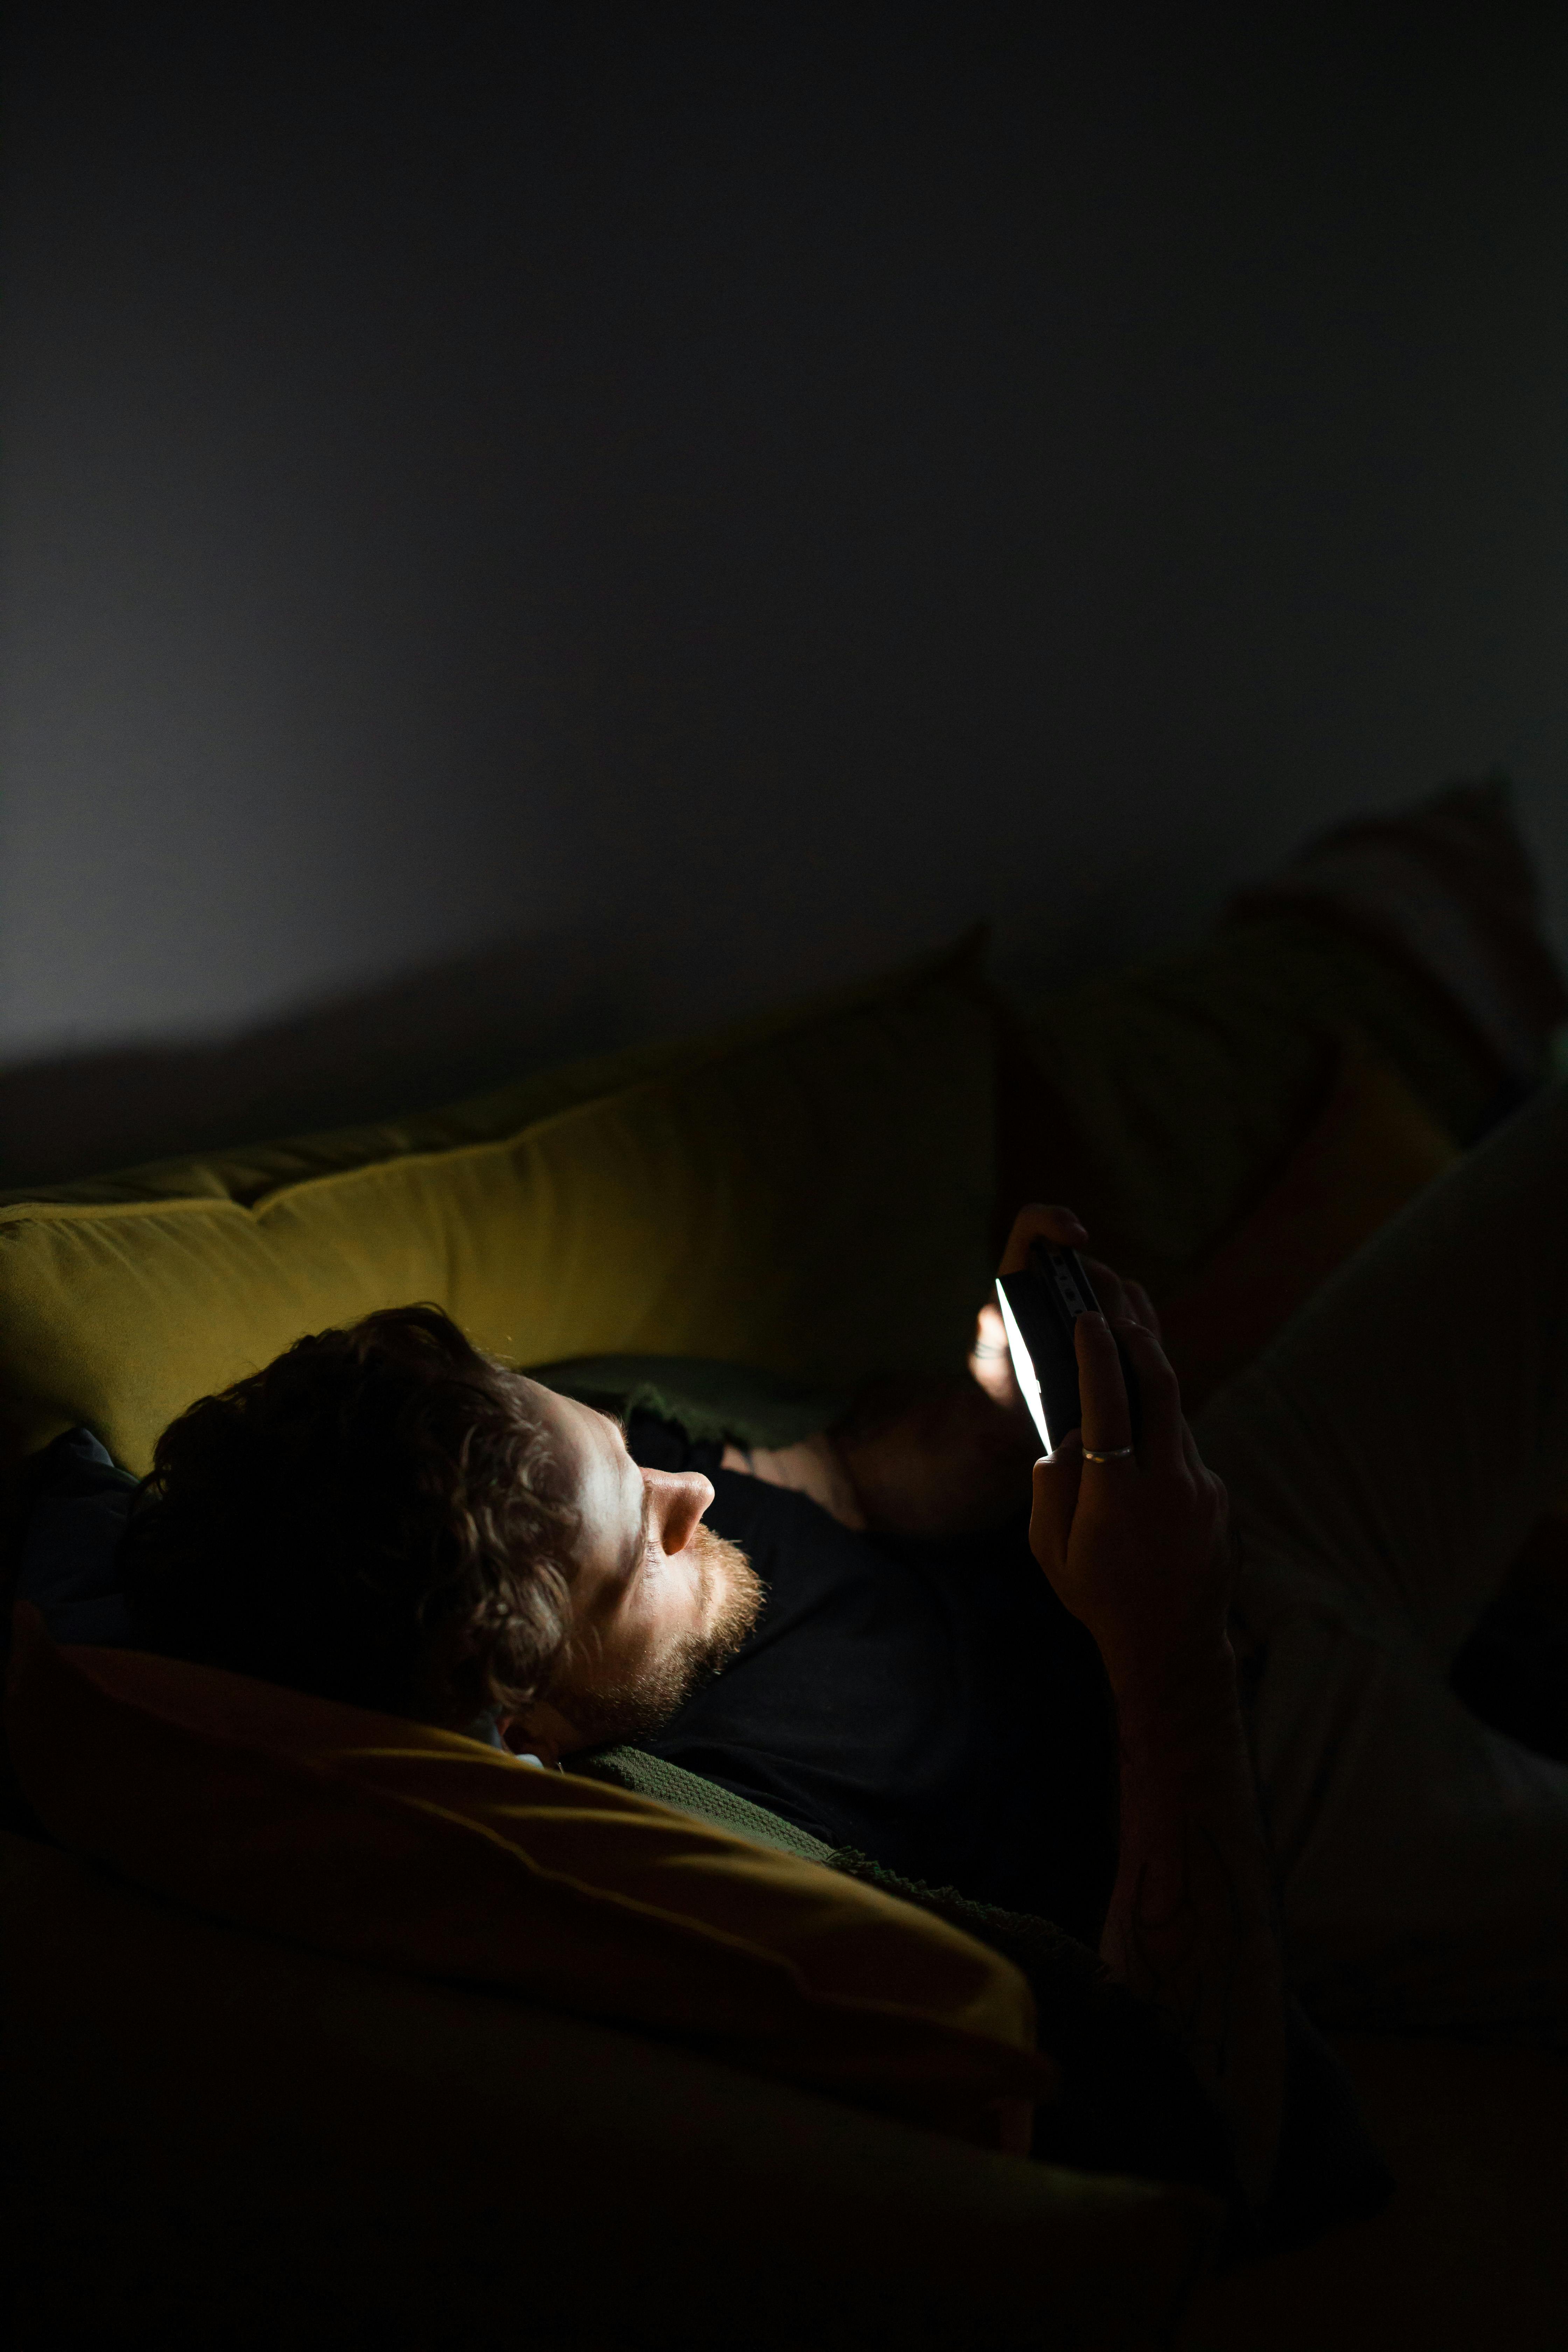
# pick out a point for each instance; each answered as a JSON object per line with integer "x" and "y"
{"x": 642, "y": 509}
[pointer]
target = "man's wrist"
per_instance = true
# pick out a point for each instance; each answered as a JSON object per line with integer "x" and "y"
{"x": 1178, "y": 1706}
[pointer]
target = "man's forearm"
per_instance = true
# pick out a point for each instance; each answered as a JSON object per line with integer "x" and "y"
{"x": 1189, "y": 1927}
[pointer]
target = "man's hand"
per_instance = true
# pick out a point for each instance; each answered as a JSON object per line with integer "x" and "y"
{"x": 1136, "y": 1547}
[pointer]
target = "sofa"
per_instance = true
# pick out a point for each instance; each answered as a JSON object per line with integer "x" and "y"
{"x": 220, "y": 2131}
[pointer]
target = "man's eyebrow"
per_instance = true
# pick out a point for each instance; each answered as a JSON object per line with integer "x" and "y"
{"x": 614, "y": 1420}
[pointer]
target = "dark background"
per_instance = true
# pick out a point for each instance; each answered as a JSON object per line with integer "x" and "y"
{"x": 533, "y": 526}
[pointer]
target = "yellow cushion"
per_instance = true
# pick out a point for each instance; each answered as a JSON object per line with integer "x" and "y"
{"x": 391, "y": 1842}
{"x": 812, "y": 1200}
{"x": 209, "y": 2138}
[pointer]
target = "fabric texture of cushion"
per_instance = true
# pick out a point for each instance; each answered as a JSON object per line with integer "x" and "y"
{"x": 763, "y": 1202}
{"x": 417, "y": 1849}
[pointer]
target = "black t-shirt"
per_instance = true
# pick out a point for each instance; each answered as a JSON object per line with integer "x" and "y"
{"x": 931, "y": 1705}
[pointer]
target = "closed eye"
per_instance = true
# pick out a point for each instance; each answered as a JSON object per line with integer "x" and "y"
{"x": 637, "y": 1551}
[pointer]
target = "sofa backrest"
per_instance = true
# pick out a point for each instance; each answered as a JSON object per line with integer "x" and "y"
{"x": 811, "y": 1197}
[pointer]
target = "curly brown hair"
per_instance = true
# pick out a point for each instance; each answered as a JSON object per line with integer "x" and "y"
{"x": 378, "y": 1516}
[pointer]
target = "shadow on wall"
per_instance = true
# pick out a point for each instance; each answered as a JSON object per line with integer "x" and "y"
{"x": 455, "y": 1027}
{"x": 452, "y": 1028}
{"x": 427, "y": 1037}
{"x": 422, "y": 1038}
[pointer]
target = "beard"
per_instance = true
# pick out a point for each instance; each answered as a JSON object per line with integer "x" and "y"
{"x": 730, "y": 1594}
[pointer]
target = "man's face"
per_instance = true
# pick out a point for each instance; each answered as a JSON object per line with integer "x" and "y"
{"x": 659, "y": 1601}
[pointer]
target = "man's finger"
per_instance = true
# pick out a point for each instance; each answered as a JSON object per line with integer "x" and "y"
{"x": 1106, "y": 1422}
{"x": 1040, "y": 1222}
{"x": 1056, "y": 1500}
{"x": 1114, "y": 1304}
{"x": 1142, "y": 1307}
{"x": 1194, "y": 1459}
{"x": 1159, "y": 1400}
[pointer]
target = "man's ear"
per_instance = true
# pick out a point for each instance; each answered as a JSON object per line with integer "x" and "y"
{"x": 540, "y": 1730}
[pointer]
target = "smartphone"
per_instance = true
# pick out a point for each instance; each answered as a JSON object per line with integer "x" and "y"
{"x": 1039, "y": 1307}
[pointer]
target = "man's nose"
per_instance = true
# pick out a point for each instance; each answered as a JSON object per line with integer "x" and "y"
{"x": 680, "y": 1497}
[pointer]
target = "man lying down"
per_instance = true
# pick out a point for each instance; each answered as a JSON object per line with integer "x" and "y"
{"x": 1216, "y": 1744}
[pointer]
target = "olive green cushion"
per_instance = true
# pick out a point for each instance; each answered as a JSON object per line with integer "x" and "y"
{"x": 810, "y": 1198}
{"x": 727, "y": 1404}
